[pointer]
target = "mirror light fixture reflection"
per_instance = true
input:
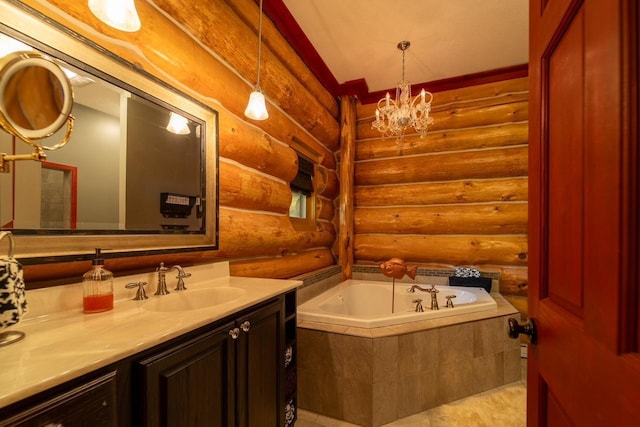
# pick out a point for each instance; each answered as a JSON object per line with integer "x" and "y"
{"x": 119, "y": 14}
{"x": 178, "y": 124}
{"x": 257, "y": 108}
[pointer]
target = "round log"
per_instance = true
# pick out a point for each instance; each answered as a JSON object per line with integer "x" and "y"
{"x": 450, "y": 140}
{"x": 463, "y": 117}
{"x": 252, "y": 147}
{"x": 247, "y": 234}
{"x": 324, "y": 209}
{"x": 282, "y": 267}
{"x": 281, "y": 48}
{"x": 514, "y": 281}
{"x": 490, "y": 163}
{"x": 215, "y": 23}
{"x": 495, "y": 93}
{"x": 495, "y": 218}
{"x": 326, "y": 183}
{"x": 447, "y": 192}
{"x": 188, "y": 67}
{"x": 347, "y": 156}
{"x": 448, "y": 249}
{"x": 241, "y": 188}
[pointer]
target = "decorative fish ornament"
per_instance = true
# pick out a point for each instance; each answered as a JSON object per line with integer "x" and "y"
{"x": 397, "y": 268}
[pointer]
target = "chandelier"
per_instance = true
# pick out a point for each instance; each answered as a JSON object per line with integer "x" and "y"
{"x": 394, "y": 117}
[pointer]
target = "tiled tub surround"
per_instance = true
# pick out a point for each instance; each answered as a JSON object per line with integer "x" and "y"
{"x": 63, "y": 343}
{"x": 373, "y": 376}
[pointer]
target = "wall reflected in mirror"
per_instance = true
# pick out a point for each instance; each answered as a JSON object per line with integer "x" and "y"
{"x": 125, "y": 167}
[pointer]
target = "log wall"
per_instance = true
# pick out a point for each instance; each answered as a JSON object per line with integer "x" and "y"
{"x": 455, "y": 197}
{"x": 208, "y": 49}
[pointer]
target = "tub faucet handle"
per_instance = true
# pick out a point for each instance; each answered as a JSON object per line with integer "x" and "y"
{"x": 418, "y": 303}
{"x": 449, "y": 302}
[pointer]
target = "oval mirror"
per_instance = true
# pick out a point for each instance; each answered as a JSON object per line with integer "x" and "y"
{"x": 36, "y": 97}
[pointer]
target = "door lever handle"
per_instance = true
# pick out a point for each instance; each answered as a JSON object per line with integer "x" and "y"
{"x": 529, "y": 329}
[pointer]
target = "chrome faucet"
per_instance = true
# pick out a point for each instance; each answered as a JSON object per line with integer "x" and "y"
{"x": 434, "y": 298}
{"x": 162, "y": 281}
{"x": 181, "y": 276}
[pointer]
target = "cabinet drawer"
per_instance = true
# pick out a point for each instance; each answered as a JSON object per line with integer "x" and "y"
{"x": 92, "y": 404}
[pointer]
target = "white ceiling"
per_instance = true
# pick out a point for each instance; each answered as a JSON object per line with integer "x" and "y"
{"x": 449, "y": 38}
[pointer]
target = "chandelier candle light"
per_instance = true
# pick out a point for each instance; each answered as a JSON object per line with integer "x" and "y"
{"x": 394, "y": 117}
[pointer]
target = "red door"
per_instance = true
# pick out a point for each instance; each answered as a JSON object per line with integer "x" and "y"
{"x": 584, "y": 215}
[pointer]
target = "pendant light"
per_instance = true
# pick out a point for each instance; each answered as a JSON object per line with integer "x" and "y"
{"x": 119, "y": 14}
{"x": 256, "y": 108}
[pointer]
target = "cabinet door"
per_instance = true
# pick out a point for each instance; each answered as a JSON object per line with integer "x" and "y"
{"x": 192, "y": 384}
{"x": 91, "y": 404}
{"x": 260, "y": 368}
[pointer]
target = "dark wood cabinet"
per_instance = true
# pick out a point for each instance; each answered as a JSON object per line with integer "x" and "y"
{"x": 90, "y": 403}
{"x": 289, "y": 360}
{"x": 259, "y": 368}
{"x": 231, "y": 373}
{"x": 191, "y": 384}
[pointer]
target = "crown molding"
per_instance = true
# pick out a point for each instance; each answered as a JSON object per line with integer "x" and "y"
{"x": 291, "y": 31}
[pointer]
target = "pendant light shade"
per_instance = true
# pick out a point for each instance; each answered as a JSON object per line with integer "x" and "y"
{"x": 257, "y": 107}
{"x": 119, "y": 14}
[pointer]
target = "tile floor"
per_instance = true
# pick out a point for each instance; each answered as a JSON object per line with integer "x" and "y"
{"x": 500, "y": 407}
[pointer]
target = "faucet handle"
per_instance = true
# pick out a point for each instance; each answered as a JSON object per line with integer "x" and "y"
{"x": 449, "y": 302}
{"x": 140, "y": 293}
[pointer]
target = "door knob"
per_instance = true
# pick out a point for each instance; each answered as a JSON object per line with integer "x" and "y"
{"x": 529, "y": 329}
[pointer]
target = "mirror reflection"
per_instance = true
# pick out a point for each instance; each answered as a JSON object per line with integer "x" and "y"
{"x": 133, "y": 162}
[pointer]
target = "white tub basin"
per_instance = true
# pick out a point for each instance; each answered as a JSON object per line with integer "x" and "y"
{"x": 196, "y": 299}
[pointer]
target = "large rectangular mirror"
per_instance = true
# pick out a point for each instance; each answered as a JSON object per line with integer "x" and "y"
{"x": 127, "y": 180}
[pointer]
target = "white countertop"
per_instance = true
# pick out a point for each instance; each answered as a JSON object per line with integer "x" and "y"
{"x": 62, "y": 342}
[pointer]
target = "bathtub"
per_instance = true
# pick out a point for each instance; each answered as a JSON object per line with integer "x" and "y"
{"x": 367, "y": 304}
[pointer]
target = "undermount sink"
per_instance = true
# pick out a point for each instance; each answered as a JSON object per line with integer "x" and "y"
{"x": 193, "y": 299}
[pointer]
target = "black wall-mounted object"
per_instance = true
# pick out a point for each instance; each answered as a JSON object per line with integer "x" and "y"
{"x": 176, "y": 205}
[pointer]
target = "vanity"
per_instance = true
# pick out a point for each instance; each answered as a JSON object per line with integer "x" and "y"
{"x": 215, "y": 358}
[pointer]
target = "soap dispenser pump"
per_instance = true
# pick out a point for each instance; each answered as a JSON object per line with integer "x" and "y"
{"x": 97, "y": 285}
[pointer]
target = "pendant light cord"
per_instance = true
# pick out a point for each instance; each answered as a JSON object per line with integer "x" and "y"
{"x": 259, "y": 44}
